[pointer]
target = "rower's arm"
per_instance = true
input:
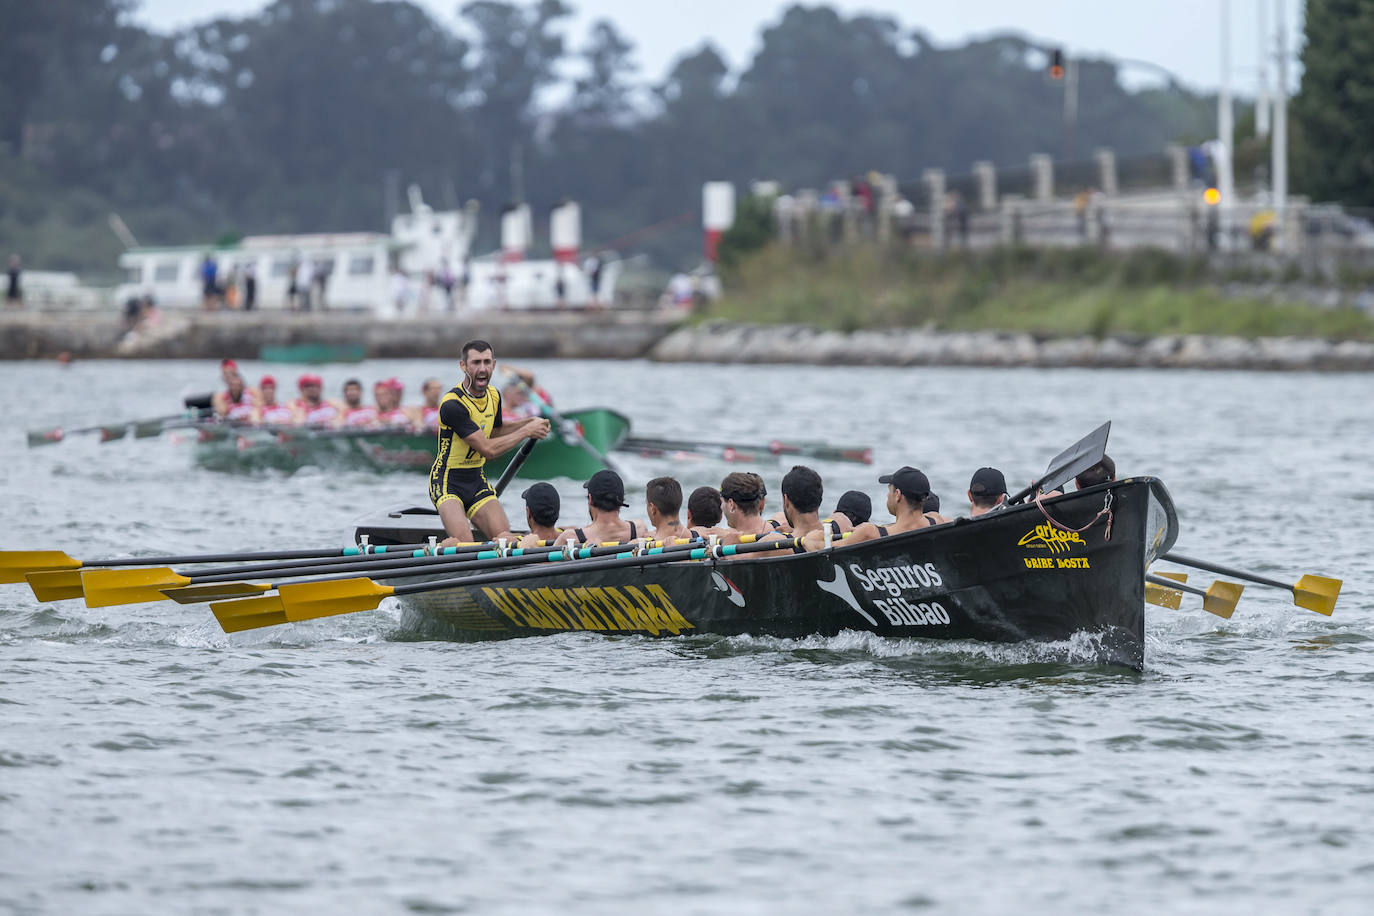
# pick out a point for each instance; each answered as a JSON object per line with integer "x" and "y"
{"x": 497, "y": 446}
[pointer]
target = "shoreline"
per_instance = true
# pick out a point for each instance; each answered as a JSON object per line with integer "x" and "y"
{"x": 241, "y": 335}
{"x": 731, "y": 343}
{"x": 660, "y": 337}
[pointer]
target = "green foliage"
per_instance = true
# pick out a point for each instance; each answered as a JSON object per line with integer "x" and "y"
{"x": 1334, "y": 110}
{"x": 289, "y": 119}
{"x": 754, "y": 228}
{"x": 1040, "y": 291}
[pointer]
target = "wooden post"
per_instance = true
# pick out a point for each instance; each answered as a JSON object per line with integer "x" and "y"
{"x": 1042, "y": 176}
{"x": 986, "y": 174}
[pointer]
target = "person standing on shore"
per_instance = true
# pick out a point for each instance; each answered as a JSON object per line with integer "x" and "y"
{"x": 14, "y": 293}
{"x": 471, "y": 431}
{"x": 250, "y": 286}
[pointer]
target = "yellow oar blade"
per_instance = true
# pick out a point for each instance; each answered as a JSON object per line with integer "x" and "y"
{"x": 1164, "y": 597}
{"x": 55, "y": 584}
{"x": 236, "y": 623}
{"x": 108, "y": 587}
{"x": 198, "y": 594}
{"x": 308, "y": 600}
{"x": 248, "y": 607}
{"x": 14, "y": 564}
{"x": 1317, "y": 593}
{"x": 1176, "y": 576}
{"x": 1221, "y": 598}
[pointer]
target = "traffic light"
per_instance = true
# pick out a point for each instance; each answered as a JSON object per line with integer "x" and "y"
{"x": 1056, "y": 63}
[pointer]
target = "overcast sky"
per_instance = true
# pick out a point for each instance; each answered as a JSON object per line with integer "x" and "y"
{"x": 1180, "y": 35}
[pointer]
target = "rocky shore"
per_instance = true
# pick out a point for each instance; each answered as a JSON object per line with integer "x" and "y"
{"x": 724, "y": 342}
{"x": 213, "y": 335}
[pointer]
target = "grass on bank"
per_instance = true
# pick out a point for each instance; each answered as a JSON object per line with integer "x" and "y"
{"x": 1044, "y": 292}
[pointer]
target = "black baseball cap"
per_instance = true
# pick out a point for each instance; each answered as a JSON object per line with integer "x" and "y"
{"x": 987, "y": 482}
{"x": 856, "y": 505}
{"x": 606, "y": 487}
{"x": 932, "y": 503}
{"x": 542, "y": 499}
{"x": 908, "y": 480}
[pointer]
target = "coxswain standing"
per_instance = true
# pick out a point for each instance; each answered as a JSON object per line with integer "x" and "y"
{"x": 234, "y": 403}
{"x": 311, "y": 407}
{"x": 270, "y": 413}
{"x": 356, "y": 414}
{"x": 469, "y": 420}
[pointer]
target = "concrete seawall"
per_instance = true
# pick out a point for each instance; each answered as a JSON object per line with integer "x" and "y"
{"x": 724, "y": 342}
{"x": 213, "y": 335}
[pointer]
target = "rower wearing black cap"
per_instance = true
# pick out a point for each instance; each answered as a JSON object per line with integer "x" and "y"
{"x": 855, "y": 507}
{"x": 541, "y": 514}
{"x": 931, "y": 509}
{"x": 987, "y": 492}
{"x": 469, "y": 421}
{"x": 907, "y": 489}
{"x": 605, "y": 499}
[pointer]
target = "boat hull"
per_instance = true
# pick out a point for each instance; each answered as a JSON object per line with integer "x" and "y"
{"x": 1008, "y": 577}
{"x": 240, "y": 449}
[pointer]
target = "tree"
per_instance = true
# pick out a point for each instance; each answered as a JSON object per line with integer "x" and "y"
{"x": 1334, "y": 110}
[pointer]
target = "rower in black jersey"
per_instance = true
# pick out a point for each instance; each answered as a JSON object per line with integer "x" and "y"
{"x": 605, "y": 499}
{"x": 907, "y": 489}
{"x": 470, "y": 432}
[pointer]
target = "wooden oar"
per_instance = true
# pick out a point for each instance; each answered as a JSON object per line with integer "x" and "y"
{"x": 735, "y": 452}
{"x": 427, "y": 567}
{"x": 54, "y": 575}
{"x": 307, "y": 601}
{"x": 1069, "y": 463}
{"x": 567, "y": 429}
{"x": 1315, "y": 593}
{"x": 1169, "y": 597}
{"x": 514, "y": 466}
{"x": 110, "y": 587}
{"x": 1219, "y": 598}
{"x": 108, "y": 431}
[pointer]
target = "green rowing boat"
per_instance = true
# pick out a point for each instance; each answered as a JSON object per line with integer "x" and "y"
{"x": 231, "y": 448}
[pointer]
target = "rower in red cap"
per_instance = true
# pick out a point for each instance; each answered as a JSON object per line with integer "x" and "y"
{"x": 271, "y": 413}
{"x": 311, "y": 407}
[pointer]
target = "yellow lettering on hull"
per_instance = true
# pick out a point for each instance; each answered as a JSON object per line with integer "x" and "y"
{"x": 631, "y": 609}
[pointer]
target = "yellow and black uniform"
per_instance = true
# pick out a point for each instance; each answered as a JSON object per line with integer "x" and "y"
{"x": 457, "y": 471}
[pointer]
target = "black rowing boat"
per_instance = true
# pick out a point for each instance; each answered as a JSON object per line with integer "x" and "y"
{"x": 1073, "y": 564}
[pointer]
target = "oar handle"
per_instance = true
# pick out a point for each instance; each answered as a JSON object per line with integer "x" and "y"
{"x": 444, "y": 564}
{"x": 1175, "y": 585}
{"x": 514, "y": 467}
{"x": 664, "y": 555}
{"x": 214, "y": 558}
{"x": 1225, "y": 571}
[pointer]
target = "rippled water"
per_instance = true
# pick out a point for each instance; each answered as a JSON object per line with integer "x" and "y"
{"x": 149, "y": 763}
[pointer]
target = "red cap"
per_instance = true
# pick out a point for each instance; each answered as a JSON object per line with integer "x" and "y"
{"x": 309, "y": 378}
{"x": 394, "y": 384}
{"x": 227, "y": 363}
{"x": 267, "y": 380}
